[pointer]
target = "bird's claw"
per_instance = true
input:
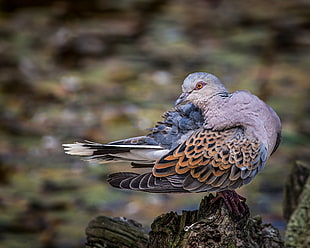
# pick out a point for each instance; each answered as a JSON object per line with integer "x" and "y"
{"x": 233, "y": 201}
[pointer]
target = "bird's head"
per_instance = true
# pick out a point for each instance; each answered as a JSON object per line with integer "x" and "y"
{"x": 198, "y": 87}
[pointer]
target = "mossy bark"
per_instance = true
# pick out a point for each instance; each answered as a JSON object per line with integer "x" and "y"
{"x": 212, "y": 225}
{"x": 297, "y": 207}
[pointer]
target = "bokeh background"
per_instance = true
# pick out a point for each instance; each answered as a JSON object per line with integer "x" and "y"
{"x": 104, "y": 70}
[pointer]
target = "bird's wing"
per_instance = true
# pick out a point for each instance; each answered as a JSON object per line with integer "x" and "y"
{"x": 143, "y": 182}
{"x": 213, "y": 160}
{"x": 177, "y": 125}
{"x": 143, "y": 151}
{"x": 207, "y": 161}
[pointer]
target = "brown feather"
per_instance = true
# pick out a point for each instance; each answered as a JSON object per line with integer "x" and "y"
{"x": 215, "y": 158}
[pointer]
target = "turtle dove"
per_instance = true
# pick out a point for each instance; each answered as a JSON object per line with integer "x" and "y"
{"x": 213, "y": 141}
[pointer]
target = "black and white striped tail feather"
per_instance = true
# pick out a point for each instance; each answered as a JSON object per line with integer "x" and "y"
{"x": 140, "y": 155}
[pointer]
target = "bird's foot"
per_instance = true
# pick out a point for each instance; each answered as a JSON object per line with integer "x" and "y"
{"x": 233, "y": 201}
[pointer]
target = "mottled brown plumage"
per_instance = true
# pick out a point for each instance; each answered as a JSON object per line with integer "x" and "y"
{"x": 215, "y": 160}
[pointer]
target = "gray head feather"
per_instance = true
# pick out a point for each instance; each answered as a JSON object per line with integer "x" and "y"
{"x": 199, "y": 87}
{"x": 211, "y": 81}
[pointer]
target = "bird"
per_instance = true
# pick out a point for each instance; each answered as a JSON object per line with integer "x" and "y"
{"x": 211, "y": 141}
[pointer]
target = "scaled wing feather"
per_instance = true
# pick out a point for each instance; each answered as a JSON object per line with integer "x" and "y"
{"x": 213, "y": 159}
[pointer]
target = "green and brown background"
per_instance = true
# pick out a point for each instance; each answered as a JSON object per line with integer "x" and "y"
{"x": 105, "y": 70}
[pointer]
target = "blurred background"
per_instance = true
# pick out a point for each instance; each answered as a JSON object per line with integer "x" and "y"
{"x": 105, "y": 70}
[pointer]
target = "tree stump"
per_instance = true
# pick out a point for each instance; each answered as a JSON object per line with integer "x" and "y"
{"x": 297, "y": 207}
{"x": 107, "y": 232}
{"x": 212, "y": 225}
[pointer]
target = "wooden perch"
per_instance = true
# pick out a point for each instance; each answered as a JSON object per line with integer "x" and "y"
{"x": 117, "y": 232}
{"x": 210, "y": 226}
{"x": 297, "y": 207}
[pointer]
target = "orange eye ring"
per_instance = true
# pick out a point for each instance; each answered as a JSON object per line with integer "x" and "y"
{"x": 200, "y": 85}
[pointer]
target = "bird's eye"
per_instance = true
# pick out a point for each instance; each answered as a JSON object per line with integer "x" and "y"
{"x": 200, "y": 85}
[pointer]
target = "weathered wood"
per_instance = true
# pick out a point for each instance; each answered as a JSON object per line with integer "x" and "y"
{"x": 297, "y": 207}
{"x": 107, "y": 232}
{"x": 210, "y": 226}
{"x": 294, "y": 187}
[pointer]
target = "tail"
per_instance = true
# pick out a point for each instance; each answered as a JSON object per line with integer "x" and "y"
{"x": 139, "y": 155}
{"x": 143, "y": 182}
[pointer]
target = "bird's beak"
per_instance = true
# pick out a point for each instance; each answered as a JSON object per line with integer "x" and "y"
{"x": 181, "y": 99}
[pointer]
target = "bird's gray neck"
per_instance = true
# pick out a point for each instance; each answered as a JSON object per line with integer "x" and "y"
{"x": 224, "y": 111}
{"x": 242, "y": 109}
